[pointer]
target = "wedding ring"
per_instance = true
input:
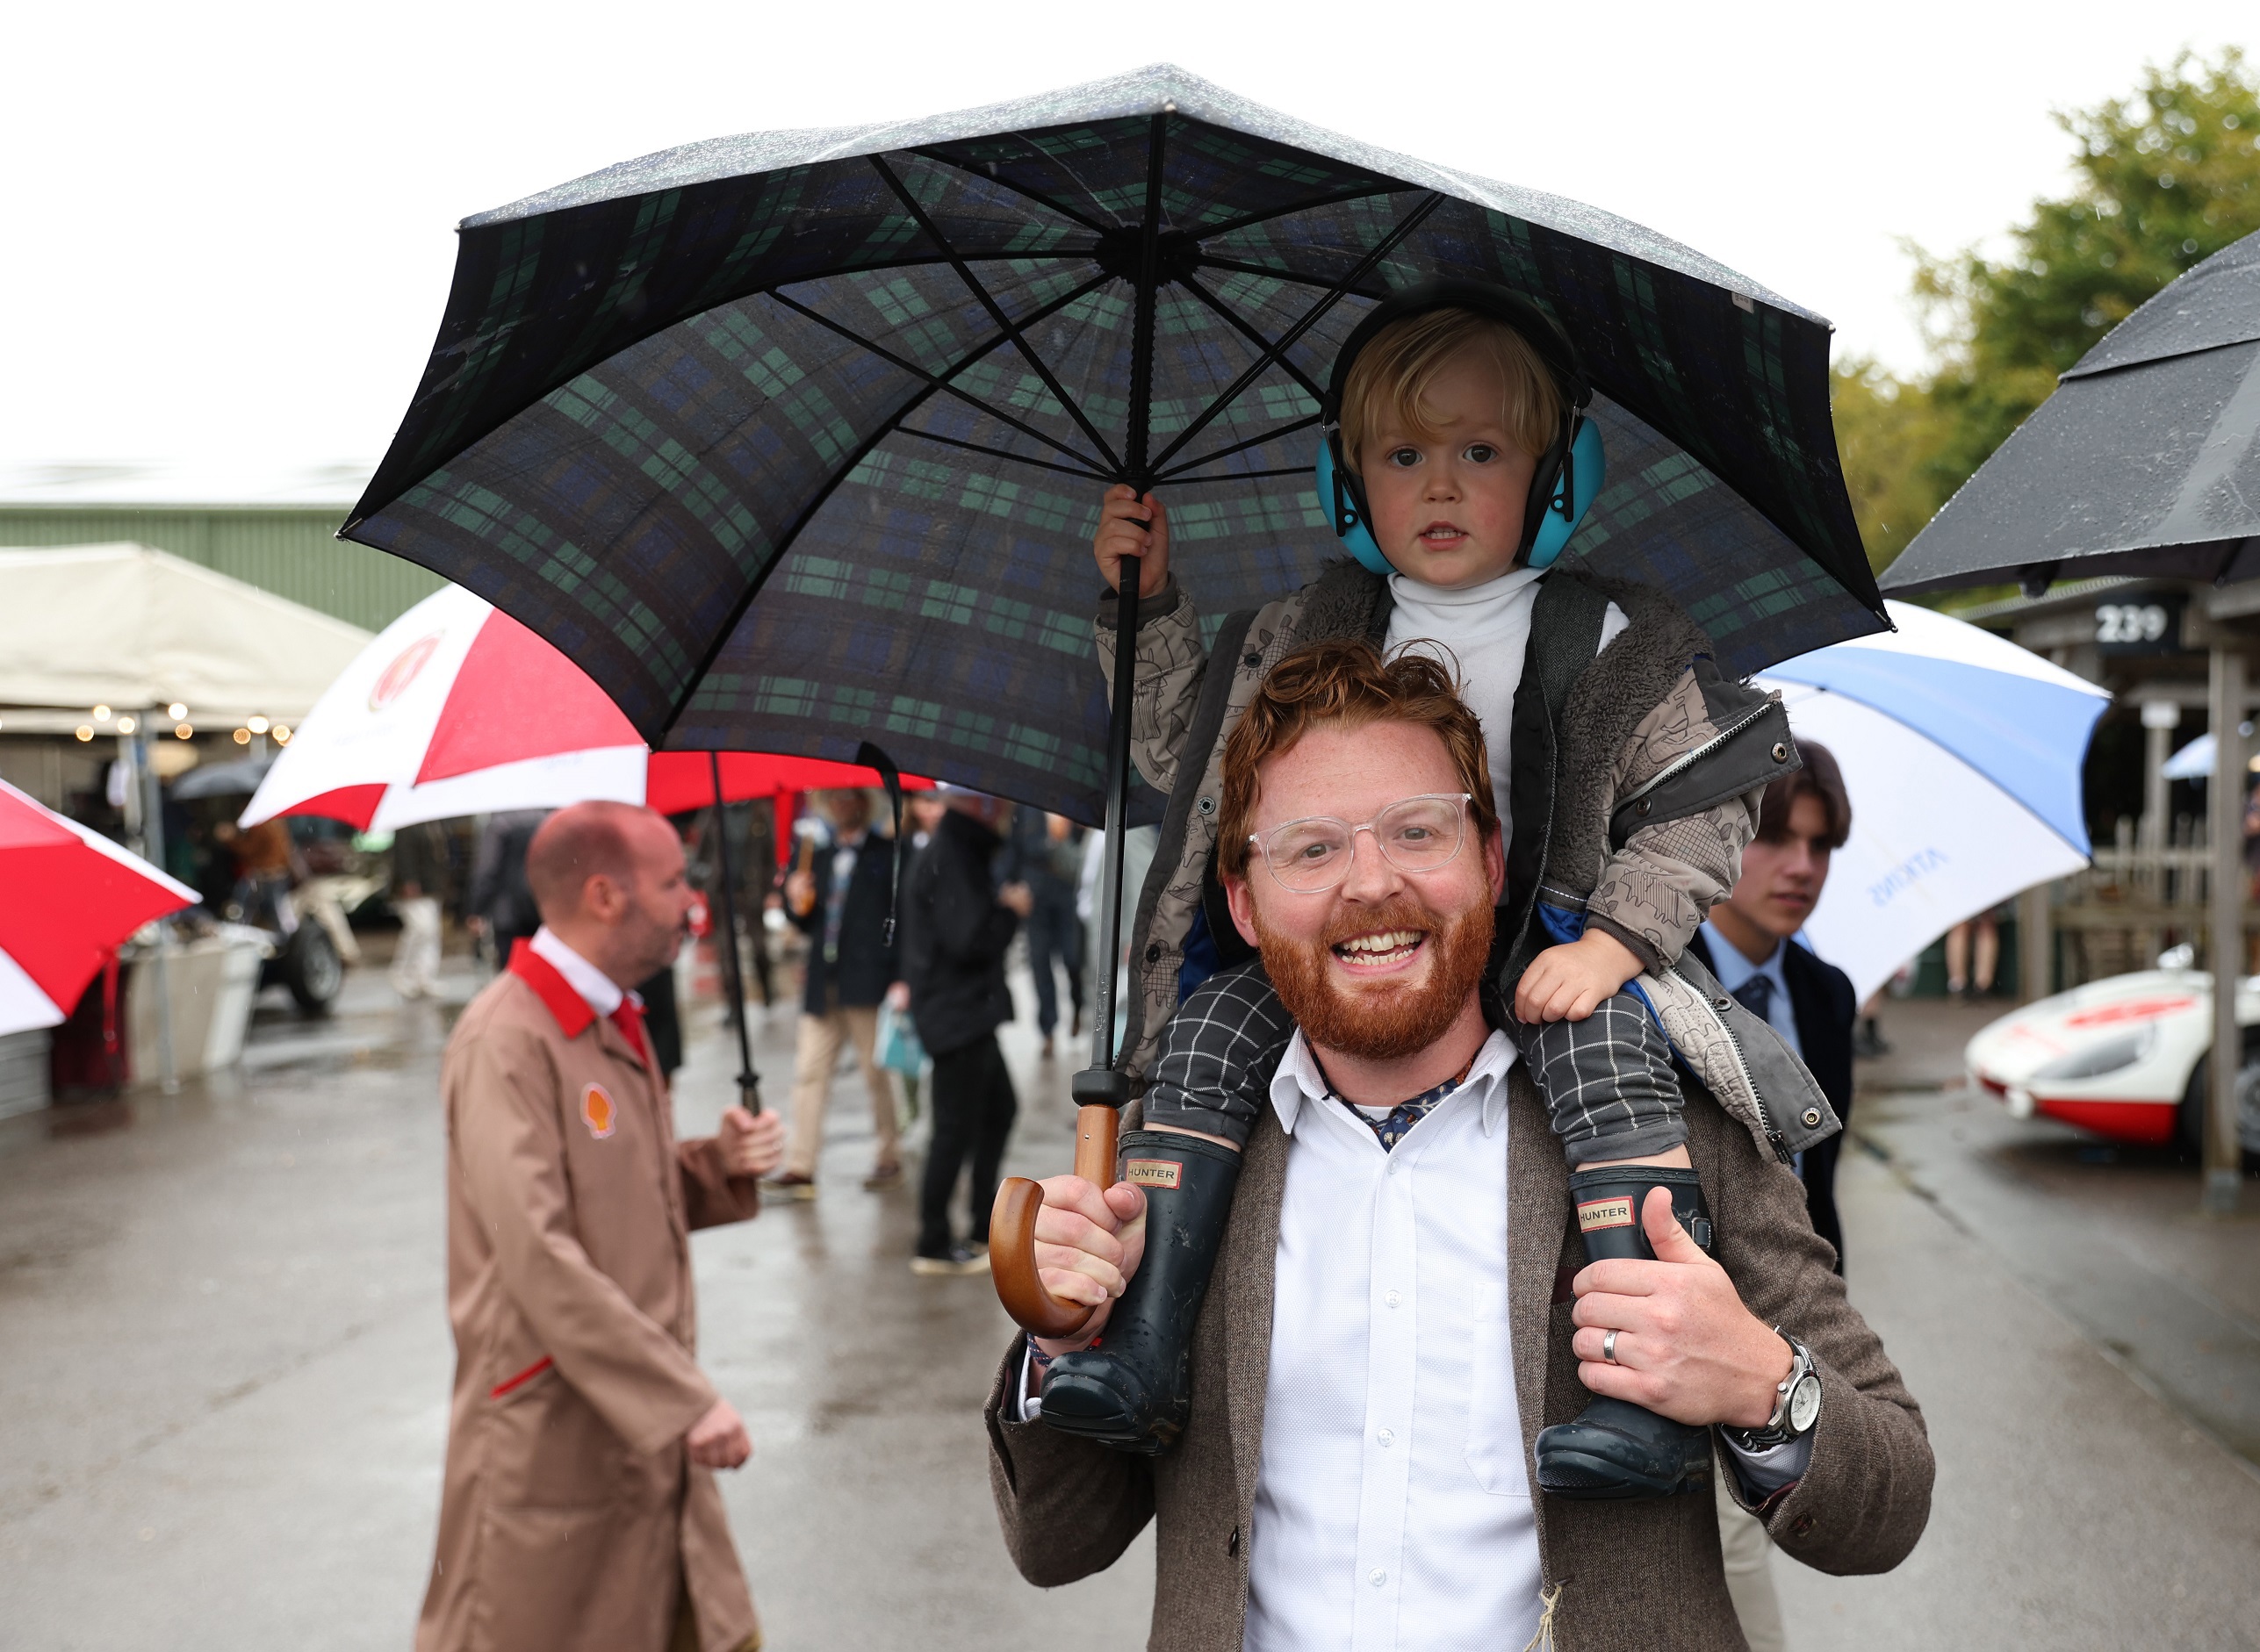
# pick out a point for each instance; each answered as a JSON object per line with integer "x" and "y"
{"x": 1608, "y": 1347}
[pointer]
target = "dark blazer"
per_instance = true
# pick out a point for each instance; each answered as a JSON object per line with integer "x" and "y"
{"x": 954, "y": 937}
{"x": 1631, "y": 1576}
{"x": 866, "y": 966}
{"x": 1821, "y": 998}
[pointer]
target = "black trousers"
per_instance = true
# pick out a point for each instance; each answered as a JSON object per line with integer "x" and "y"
{"x": 974, "y": 1109}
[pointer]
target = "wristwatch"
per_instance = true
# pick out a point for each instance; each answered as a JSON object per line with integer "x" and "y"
{"x": 1797, "y": 1404}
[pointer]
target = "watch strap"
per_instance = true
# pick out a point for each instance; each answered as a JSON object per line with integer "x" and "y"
{"x": 1777, "y": 1430}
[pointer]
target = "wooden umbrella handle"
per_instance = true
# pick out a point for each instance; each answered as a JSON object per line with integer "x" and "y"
{"x": 1012, "y": 1230}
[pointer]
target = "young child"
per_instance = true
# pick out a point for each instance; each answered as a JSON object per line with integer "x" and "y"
{"x": 1626, "y": 772}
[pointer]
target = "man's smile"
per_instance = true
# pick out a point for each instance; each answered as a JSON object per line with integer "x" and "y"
{"x": 1381, "y": 951}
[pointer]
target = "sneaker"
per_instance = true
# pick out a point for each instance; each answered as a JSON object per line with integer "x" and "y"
{"x": 960, "y": 1260}
{"x": 883, "y": 1177}
{"x": 790, "y": 1187}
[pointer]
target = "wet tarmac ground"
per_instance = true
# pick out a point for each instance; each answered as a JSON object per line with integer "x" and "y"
{"x": 224, "y": 1365}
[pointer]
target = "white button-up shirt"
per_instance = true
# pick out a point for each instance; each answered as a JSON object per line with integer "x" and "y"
{"x": 1732, "y": 968}
{"x": 598, "y": 990}
{"x": 1392, "y": 1507}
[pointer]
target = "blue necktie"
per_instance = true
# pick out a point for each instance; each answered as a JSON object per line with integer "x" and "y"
{"x": 1391, "y": 1126}
{"x": 1756, "y": 995}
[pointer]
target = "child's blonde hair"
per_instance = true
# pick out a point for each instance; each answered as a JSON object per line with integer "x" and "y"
{"x": 1393, "y": 374}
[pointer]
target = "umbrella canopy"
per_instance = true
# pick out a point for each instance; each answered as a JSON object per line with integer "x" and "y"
{"x": 458, "y": 709}
{"x": 2196, "y": 761}
{"x": 795, "y": 439}
{"x": 237, "y": 778}
{"x": 129, "y": 626}
{"x": 1961, "y": 753}
{"x": 67, "y": 897}
{"x": 2145, "y": 460}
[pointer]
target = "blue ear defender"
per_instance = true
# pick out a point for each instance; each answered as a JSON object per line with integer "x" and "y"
{"x": 1344, "y": 504}
{"x": 1583, "y": 474}
{"x": 1577, "y": 484}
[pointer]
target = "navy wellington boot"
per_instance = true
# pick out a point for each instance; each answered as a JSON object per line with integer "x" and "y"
{"x": 1617, "y": 1449}
{"x": 1132, "y": 1389}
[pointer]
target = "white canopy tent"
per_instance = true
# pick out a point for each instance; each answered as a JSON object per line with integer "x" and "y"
{"x": 131, "y": 627}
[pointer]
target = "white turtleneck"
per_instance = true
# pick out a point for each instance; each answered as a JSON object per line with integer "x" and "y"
{"x": 1481, "y": 633}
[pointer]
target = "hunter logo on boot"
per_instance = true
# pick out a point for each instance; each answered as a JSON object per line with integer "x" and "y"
{"x": 1614, "y": 1212}
{"x": 1152, "y": 1173}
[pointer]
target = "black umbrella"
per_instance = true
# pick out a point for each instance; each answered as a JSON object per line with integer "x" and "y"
{"x": 2145, "y": 461}
{"x": 797, "y": 439}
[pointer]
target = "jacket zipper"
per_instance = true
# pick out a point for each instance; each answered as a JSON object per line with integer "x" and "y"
{"x": 1679, "y": 764}
{"x": 1765, "y": 1117}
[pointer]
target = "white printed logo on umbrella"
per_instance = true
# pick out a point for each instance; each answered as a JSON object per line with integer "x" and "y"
{"x": 394, "y": 680}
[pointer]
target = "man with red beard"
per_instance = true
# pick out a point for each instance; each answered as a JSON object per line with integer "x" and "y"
{"x": 1390, "y": 1323}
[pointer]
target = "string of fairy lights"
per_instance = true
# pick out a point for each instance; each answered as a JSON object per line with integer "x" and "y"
{"x": 107, "y": 721}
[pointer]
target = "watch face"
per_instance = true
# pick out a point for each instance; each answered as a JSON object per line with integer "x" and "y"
{"x": 1805, "y": 1403}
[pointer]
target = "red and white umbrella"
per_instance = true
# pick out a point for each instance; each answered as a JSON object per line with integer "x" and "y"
{"x": 458, "y": 709}
{"x": 67, "y": 897}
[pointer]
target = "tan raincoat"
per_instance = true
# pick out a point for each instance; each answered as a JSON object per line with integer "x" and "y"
{"x": 572, "y": 1517}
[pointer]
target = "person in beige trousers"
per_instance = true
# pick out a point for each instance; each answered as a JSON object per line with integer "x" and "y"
{"x": 841, "y": 899}
{"x": 579, "y": 1511}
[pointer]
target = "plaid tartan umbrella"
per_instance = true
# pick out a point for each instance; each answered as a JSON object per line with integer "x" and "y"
{"x": 797, "y": 439}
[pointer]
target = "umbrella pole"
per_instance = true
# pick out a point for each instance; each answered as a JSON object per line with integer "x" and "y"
{"x": 1099, "y": 1090}
{"x": 748, "y": 1082}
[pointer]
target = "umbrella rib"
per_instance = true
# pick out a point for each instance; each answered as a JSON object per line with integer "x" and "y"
{"x": 1272, "y": 434}
{"x": 1380, "y": 249}
{"x": 1247, "y": 330}
{"x": 886, "y": 428}
{"x": 1022, "y": 190}
{"x": 1233, "y": 225}
{"x": 942, "y": 381}
{"x": 995, "y": 310}
{"x": 1237, "y": 475}
{"x": 1240, "y": 267}
{"x": 1085, "y": 471}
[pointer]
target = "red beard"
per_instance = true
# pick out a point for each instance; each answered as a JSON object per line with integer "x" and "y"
{"x": 1382, "y": 1020}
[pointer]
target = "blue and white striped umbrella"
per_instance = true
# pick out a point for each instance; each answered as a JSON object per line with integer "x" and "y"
{"x": 1962, "y": 753}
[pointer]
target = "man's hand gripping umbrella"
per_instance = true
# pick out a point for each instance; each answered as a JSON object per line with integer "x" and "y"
{"x": 1019, "y": 1220}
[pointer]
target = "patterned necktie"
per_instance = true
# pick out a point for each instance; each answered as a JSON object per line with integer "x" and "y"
{"x": 1756, "y": 995}
{"x": 1392, "y": 1125}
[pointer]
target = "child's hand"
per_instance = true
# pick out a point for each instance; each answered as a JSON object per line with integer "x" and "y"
{"x": 1568, "y": 983}
{"x": 1121, "y": 533}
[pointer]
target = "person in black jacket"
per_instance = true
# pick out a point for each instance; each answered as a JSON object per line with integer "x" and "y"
{"x": 1748, "y": 942}
{"x": 957, "y": 925}
{"x": 841, "y": 903}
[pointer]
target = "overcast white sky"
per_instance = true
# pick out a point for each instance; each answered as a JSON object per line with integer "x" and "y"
{"x": 229, "y": 227}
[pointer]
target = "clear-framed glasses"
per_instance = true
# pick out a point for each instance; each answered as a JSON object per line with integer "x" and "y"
{"x": 1414, "y": 835}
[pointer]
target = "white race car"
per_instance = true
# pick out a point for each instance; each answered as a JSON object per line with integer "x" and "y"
{"x": 2124, "y": 1058}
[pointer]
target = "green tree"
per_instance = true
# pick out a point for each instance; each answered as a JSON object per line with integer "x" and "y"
{"x": 1888, "y": 432}
{"x": 2166, "y": 178}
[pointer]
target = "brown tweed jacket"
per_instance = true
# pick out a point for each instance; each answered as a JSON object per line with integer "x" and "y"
{"x": 1628, "y": 1575}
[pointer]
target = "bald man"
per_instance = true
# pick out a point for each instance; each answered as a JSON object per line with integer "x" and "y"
{"x": 580, "y": 1508}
